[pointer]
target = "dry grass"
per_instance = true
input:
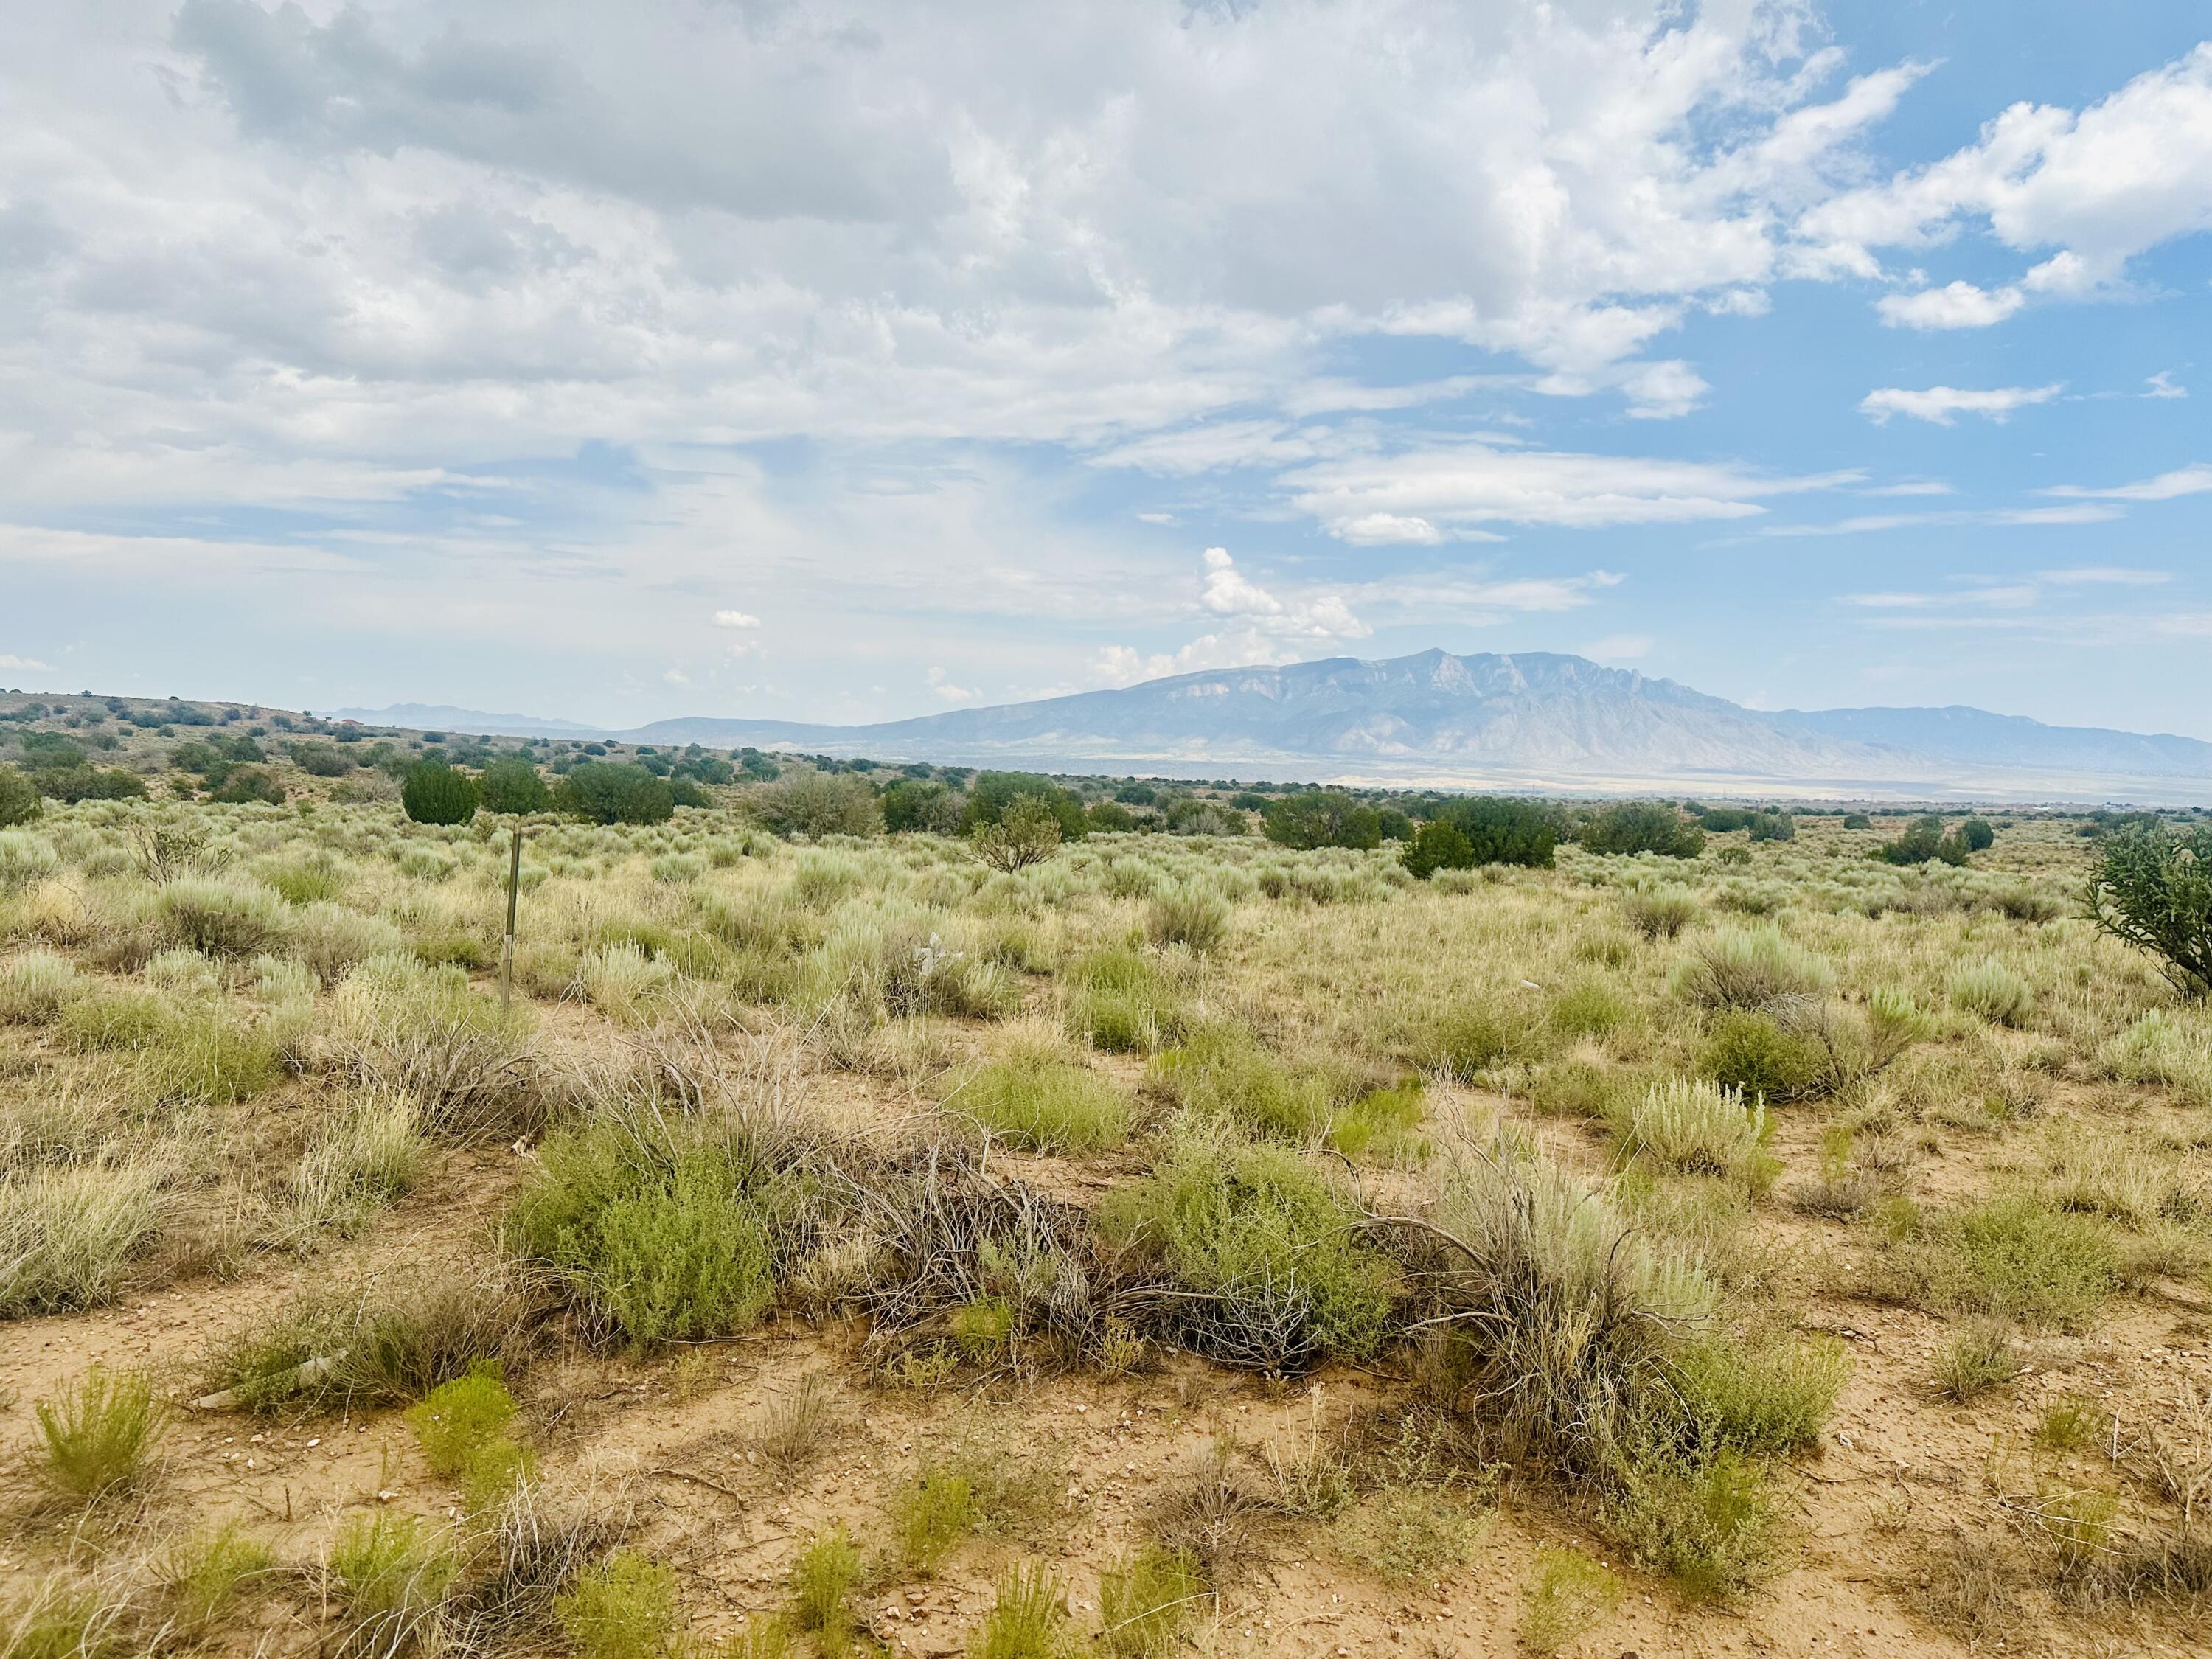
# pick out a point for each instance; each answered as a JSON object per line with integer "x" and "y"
{"x": 1018, "y": 1132}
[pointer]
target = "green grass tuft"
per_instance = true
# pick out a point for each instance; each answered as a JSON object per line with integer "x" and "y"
{"x": 1146, "y": 1601}
{"x": 97, "y": 1434}
{"x": 1042, "y": 1103}
{"x": 1570, "y": 1595}
{"x": 623, "y": 1608}
{"x": 822, "y": 1580}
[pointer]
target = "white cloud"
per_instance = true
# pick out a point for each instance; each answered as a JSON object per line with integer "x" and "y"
{"x": 1955, "y": 305}
{"x": 1662, "y": 390}
{"x": 1385, "y": 529}
{"x": 2161, "y": 384}
{"x": 8, "y": 659}
{"x": 1617, "y": 647}
{"x": 2021, "y": 516}
{"x": 941, "y": 687}
{"x": 735, "y": 619}
{"x": 2105, "y": 576}
{"x": 2098, "y": 188}
{"x": 2167, "y": 486}
{"x": 1940, "y": 404}
{"x": 676, "y": 676}
{"x": 1454, "y": 488}
{"x": 1911, "y": 486}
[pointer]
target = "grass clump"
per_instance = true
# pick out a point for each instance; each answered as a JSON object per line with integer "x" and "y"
{"x": 931, "y": 1517}
{"x": 822, "y": 1580}
{"x": 1703, "y": 1516}
{"x": 1465, "y": 1041}
{"x": 1267, "y": 1252}
{"x": 2069, "y": 1424}
{"x": 1767, "y": 1398}
{"x": 1753, "y": 969}
{"x": 1035, "y": 1100}
{"x": 1661, "y": 912}
{"x": 623, "y": 1608}
{"x": 1975, "y": 1357}
{"x": 1753, "y": 1052}
{"x": 206, "y": 1574}
{"x": 1223, "y": 1074}
{"x": 1193, "y": 916}
{"x": 1383, "y": 1125}
{"x": 1701, "y": 1129}
{"x": 1992, "y": 991}
{"x": 1570, "y": 1595}
{"x": 1147, "y": 1599}
{"x": 69, "y": 1233}
{"x": 425, "y": 1032}
{"x": 658, "y": 1237}
{"x": 390, "y": 1345}
{"x": 35, "y": 986}
{"x": 364, "y": 1157}
{"x": 1409, "y": 1534}
{"x": 1589, "y": 1008}
{"x": 1574, "y": 1309}
{"x": 1120, "y": 1001}
{"x": 390, "y": 1570}
{"x": 2011, "y": 1257}
{"x": 96, "y": 1434}
{"x": 1028, "y": 1620}
{"x": 222, "y": 917}
{"x": 463, "y": 1428}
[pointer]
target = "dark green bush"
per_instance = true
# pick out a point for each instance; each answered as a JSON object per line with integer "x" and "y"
{"x": 1979, "y": 834}
{"x": 608, "y": 792}
{"x": 1643, "y": 826}
{"x": 1772, "y": 826}
{"x": 248, "y": 784}
{"x": 512, "y": 786}
{"x": 76, "y": 783}
{"x": 20, "y": 801}
{"x": 1322, "y": 818}
{"x": 993, "y": 793}
{"x": 2153, "y": 888}
{"x": 1108, "y": 816}
{"x": 921, "y": 804}
{"x": 1857, "y": 821}
{"x": 321, "y": 760}
{"x": 436, "y": 794}
{"x": 1437, "y": 845}
{"x": 1749, "y": 1051}
{"x": 1923, "y": 841}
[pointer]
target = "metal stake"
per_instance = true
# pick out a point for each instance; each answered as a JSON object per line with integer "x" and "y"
{"x": 514, "y": 885}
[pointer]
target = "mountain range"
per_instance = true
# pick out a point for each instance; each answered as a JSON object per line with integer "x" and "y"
{"x": 1534, "y": 720}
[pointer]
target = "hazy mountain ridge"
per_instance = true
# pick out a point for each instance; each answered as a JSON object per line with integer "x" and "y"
{"x": 1518, "y": 721}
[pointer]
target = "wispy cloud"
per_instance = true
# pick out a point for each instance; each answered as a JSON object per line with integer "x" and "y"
{"x": 1942, "y": 405}
{"x": 1871, "y": 522}
{"x": 2195, "y": 480}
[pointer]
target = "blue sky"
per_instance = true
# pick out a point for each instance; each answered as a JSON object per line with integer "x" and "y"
{"x": 832, "y": 361}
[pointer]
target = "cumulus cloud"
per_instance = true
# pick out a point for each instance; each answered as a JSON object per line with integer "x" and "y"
{"x": 2097, "y": 187}
{"x": 1941, "y": 405}
{"x": 736, "y": 619}
{"x": 10, "y": 659}
{"x": 1955, "y": 304}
